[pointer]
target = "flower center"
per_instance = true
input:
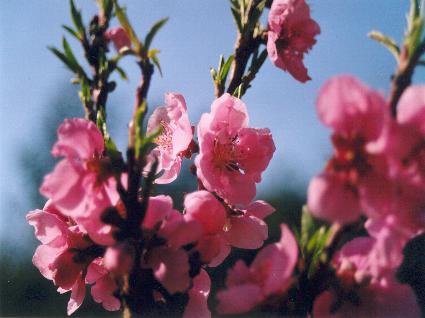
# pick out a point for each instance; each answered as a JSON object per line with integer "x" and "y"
{"x": 164, "y": 140}
{"x": 350, "y": 159}
{"x": 225, "y": 155}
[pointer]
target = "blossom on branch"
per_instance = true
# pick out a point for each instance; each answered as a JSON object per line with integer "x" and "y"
{"x": 268, "y": 275}
{"x": 82, "y": 185}
{"x": 291, "y": 34}
{"x": 232, "y": 156}
{"x": 174, "y": 139}
{"x": 223, "y": 227}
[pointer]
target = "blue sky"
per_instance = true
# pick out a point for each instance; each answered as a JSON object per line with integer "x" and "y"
{"x": 196, "y": 34}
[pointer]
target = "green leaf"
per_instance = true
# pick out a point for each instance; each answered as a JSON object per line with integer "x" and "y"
{"x": 69, "y": 54}
{"x": 224, "y": 70}
{"x": 152, "y": 32}
{"x": 64, "y": 59}
{"x": 386, "y": 41}
{"x": 237, "y": 18}
{"x": 155, "y": 61}
{"x": 238, "y": 91}
{"x": 138, "y": 131}
{"x": 72, "y": 32}
{"x": 77, "y": 19}
{"x": 122, "y": 73}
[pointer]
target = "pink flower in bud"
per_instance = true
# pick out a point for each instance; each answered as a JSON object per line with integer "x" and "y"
{"x": 224, "y": 228}
{"x": 268, "y": 275}
{"x": 169, "y": 262}
{"x": 366, "y": 269}
{"x": 291, "y": 33}
{"x": 175, "y": 138}
{"x": 355, "y": 178}
{"x": 104, "y": 285}
{"x": 81, "y": 185}
{"x": 197, "y": 306}
{"x": 119, "y": 37}
{"x": 61, "y": 257}
{"x": 118, "y": 259}
{"x": 232, "y": 156}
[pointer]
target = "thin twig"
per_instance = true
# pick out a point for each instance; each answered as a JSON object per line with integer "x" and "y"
{"x": 403, "y": 76}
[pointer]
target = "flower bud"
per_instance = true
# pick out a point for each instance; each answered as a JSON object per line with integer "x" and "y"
{"x": 119, "y": 37}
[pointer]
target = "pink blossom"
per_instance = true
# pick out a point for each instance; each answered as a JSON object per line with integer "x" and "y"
{"x": 119, "y": 37}
{"x": 405, "y": 146}
{"x": 119, "y": 258}
{"x": 366, "y": 269}
{"x": 355, "y": 179}
{"x": 291, "y": 34}
{"x": 103, "y": 285}
{"x": 175, "y": 138}
{"x": 268, "y": 275}
{"x": 197, "y": 306}
{"x": 61, "y": 257}
{"x": 81, "y": 185}
{"x": 232, "y": 156}
{"x": 223, "y": 228}
{"x": 170, "y": 262}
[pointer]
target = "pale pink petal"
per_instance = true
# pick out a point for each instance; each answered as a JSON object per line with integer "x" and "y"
{"x": 224, "y": 252}
{"x": 239, "y": 274}
{"x": 247, "y": 231}
{"x": 239, "y": 299}
{"x": 171, "y": 268}
{"x": 64, "y": 186}
{"x": 78, "y": 138}
{"x": 77, "y": 296}
{"x": 95, "y": 271}
{"x": 260, "y": 209}
{"x": 118, "y": 259}
{"x": 348, "y": 106}
{"x": 103, "y": 292}
{"x": 197, "y": 306}
{"x": 44, "y": 256}
{"x": 411, "y": 107}
{"x": 159, "y": 208}
{"x": 65, "y": 270}
{"x": 206, "y": 209}
{"x": 47, "y": 226}
{"x": 228, "y": 114}
{"x": 331, "y": 199}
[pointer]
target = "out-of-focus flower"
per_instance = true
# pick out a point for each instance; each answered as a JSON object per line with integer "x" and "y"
{"x": 291, "y": 34}
{"x": 355, "y": 178}
{"x": 175, "y": 138}
{"x": 119, "y": 38}
{"x": 268, "y": 275}
{"x": 366, "y": 269}
{"x": 119, "y": 258}
{"x": 232, "y": 156}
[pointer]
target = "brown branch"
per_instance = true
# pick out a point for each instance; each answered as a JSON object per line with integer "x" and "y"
{"x": 245, "y": 46}
{"x": 403, "y": 75}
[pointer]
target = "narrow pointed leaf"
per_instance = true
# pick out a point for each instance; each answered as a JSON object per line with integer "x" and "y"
{"x": 152, "y": 32}
{"x": 388, "y": 42}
